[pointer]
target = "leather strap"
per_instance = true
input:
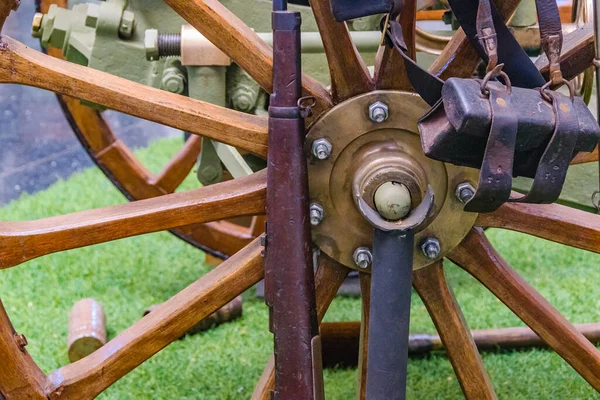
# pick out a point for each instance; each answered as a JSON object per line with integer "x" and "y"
{"x": 495, "y": 177}
{"x": 554, "y": 163}
{"x": 427, "y": 85}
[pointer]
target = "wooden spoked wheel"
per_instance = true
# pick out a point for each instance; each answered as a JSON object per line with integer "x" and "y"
{"x": 128, "y": 174}
{"x": 21, "y": 378}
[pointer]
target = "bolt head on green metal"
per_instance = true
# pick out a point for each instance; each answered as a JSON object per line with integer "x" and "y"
{"x": 151, "y": 44}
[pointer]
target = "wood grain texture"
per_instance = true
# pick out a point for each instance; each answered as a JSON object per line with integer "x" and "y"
{"x": 477, "y": 256}
{"x": 459, "y": 59}
{"x": 363, "y": 347}
{"x": 87, "y": 378}
{"x": 555, "y": 222}
{"x": 329, "y": 277}
{"x": 226, "y": 31}
{"x": 22, "y": 241}
{"x": 349, "y": 73}
{"x": 430, "y": 284}
{"x": 179, "y": 166}
{"x": 390, "y": 72}
{"x": 20, "y": 377}
{"x": 22, "y": 65}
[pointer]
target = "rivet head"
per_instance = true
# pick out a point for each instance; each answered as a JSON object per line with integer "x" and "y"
{"x": 378, "y": 112}
{"x": 321, "y": 149}
{"x": 363, "y": 257}
{"x": 431, "y": 248}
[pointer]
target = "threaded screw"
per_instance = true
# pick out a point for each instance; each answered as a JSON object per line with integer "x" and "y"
{"x": 161, "y": 45}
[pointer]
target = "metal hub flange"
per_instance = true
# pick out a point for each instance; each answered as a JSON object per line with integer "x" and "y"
{"x": 373, "y": 153}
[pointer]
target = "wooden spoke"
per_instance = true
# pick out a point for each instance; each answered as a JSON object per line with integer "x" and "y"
{"x": 554, "y": 222}
{"x": 349, "y": 74}
{"x": 430, "y": 284}
{"x": 22, "y": 241}
{"x": 459, "y": 59}
{"x": 583, "y": 158}
{"x": 22, "y": 65}
{"x": 390, "y": 73}
{"x": 365, "y": 290}
{"x": 329, "y": 277}
{"x": 577, "y": 53}
{"x": 87, "y": 378}
{"x": 20, "y": 377}
{"x": 179, "y": 166}
{"x": 477, "y": 256}
{"x": 226, "y": 31}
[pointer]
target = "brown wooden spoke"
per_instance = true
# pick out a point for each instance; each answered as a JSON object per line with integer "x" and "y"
{"x": 477, "y": 256}
{"x": 22, "y": 241}
{"x": 179, "y": 166}
{"x": 20, "y": 377}
{"x": 349, "y": 74}
{"x": 390, "y": 73}
{"x": 554, "y": 222}
{"x": 459, "y": 59}
{"x": 365, "y": 290}
{"x": 226, "y": 31}
{"x": 329, "y": 277}
{"x": 22, "y": 65}
{"x": 87, "y": 378}
{"x": 131, "y": 177}
{"x": 430, "y": 284}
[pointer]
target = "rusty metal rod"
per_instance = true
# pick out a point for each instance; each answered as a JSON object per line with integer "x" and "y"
{"x": 341, "y": 340}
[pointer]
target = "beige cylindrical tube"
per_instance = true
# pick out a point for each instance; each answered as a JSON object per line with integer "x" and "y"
{"x": 87, "y": 329}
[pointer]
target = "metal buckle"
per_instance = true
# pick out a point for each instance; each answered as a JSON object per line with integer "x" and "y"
{"x": 493, "y": 74}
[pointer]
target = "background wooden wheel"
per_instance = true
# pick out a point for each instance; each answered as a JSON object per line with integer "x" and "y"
{"x": 128, "y": 174}
{"x": 21, "y": 241}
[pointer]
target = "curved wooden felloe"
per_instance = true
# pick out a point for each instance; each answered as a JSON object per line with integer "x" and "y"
{"x": 21, "y": 378}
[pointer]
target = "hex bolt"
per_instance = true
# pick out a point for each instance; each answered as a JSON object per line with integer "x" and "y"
{"x": 316, "y": 214}
{"x": 465, "y": 192}
{"x": 431, "y": 248}
{"x": 127, "y": 24}
{"x": 378, "y": 112}
{"x": 173, "y": 80}
{"x": 363, "y": 257}
{"x": 36, "y": 24}
{"x": 321, "y": 149}
{"x": 161, "y": 45}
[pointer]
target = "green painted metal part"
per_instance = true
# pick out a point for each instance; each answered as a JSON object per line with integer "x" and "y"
{"x": 109, "y": 36}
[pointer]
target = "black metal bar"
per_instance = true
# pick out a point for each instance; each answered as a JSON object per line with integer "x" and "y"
{"x": 289, "y": 276}
{"x": 389, "y": 315}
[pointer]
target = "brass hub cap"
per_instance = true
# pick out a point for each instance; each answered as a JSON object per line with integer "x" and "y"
{"x": 367, "y": 154}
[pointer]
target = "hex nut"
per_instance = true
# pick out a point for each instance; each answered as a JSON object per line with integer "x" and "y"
{"x": 173, "y": 80}
{"x": 36, "y": 25}
{"x": 362, "y": 257}
{"x": 431, "y": 248}
{"x": 316, "y": 214}
{"x": 378, "y": 112}
{"x": 464, "y": 192}
{"x": 321, "y": 149}
{"x": 151, "y": 44}
{"x": 127, "y": 24}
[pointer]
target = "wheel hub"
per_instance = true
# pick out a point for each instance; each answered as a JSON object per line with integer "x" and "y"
{"x": 365, "y": 155}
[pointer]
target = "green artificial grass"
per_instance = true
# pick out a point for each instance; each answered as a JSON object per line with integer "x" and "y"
{"x": 128, "y": 275}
